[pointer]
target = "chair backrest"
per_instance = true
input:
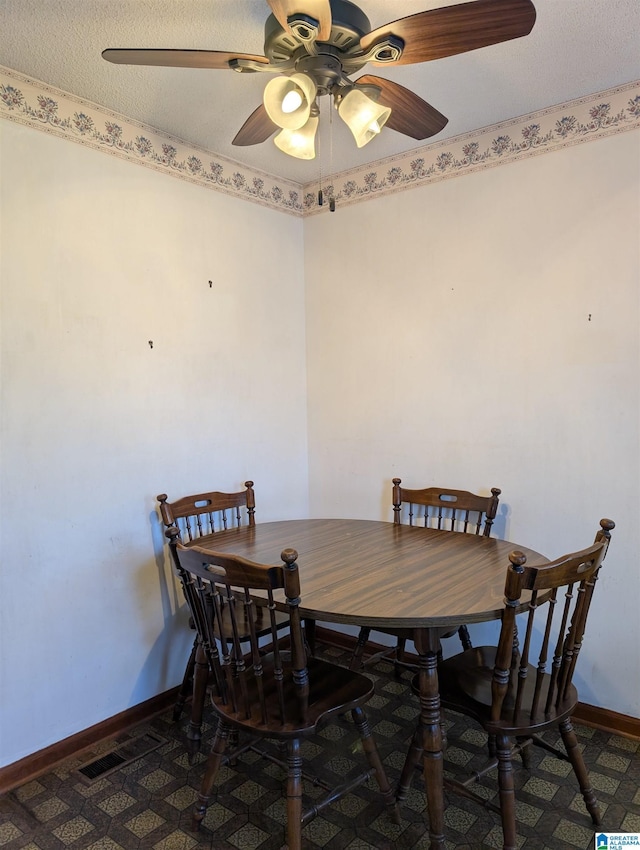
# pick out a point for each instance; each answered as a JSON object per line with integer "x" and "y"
{"x": 446, "y": 509}
{"x": 256, "y": 689}
{"x": 567, "y": 585}
{"x": 206, "y": 513}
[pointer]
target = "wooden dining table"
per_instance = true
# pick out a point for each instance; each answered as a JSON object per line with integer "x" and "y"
{"x": 386, "y": 575}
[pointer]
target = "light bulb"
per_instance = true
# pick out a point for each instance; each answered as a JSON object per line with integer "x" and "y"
{"x": 291, "y": 101}
{"x": 288, "y": 100}
{"x": 370, "y": 122}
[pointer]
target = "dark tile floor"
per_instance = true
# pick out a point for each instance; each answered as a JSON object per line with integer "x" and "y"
{"x": 147, "y": 803}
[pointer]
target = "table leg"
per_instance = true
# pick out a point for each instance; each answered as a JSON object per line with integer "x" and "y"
{"x": 427, "y": 644}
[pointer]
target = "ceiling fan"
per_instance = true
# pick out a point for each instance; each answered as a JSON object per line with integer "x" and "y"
{"x": 316, "y": 45}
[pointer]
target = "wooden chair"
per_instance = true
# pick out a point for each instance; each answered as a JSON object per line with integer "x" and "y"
{"x": 433, "y": 507}
{"x": 284, "y": 696}
{"x": 511, "y": 697}
{"x": 195, "y": 517}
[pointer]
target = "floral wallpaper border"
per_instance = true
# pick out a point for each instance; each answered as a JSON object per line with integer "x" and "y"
{"x": 38, "y": 105}
{"x": 586, "y": 119}
{"x": 61, "y": 114}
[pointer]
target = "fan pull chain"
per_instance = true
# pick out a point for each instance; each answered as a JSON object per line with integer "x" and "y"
{"x": 320, "y": 193}
{"x": 332, "y": 200}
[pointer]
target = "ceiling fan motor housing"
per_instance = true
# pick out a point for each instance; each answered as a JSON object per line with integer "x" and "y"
{"x": 348, "y": 25}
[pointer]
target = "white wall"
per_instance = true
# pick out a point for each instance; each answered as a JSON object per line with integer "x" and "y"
{"x": 98, "y": 258}
{"x": 484, "y": 331}
{"x": 447, "y": 340}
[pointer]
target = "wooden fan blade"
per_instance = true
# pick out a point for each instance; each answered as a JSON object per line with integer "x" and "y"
{"x": 256, "y": 129}
{"x": 318, "y": 9}
{"x": 437, "y": 33}
{"x": 410, "y": 114}
{"x": 212, "y": 59}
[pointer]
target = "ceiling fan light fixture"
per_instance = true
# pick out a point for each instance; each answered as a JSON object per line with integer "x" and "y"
{"x": 300, "y": 142}
{"x": 288, "y": 100}
{"x": 362, "y": 115}
{"x": 315, "y": 46}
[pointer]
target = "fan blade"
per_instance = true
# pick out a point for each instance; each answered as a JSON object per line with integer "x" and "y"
{"x": 437, "y": 33}
{"x": 256, "y": 129}
{"x": 213, "y": 59}
{"x": 410, "y": 114}
{"x": 318, "y": 9}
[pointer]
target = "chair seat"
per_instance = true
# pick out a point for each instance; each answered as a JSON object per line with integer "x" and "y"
{"x": 332, "y": 690}
{"x": 465, "y": 683}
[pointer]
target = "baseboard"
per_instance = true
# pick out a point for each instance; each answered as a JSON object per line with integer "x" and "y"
{"x": 607, "y": 720}
{"x": 45, "y": 760}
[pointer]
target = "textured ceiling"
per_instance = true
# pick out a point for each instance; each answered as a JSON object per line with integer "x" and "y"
{"x": 576, "y": 48}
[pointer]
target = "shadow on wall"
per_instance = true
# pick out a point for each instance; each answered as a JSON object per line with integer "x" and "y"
{"x": 501, "y": 523}
{"x": 167, "y": 657}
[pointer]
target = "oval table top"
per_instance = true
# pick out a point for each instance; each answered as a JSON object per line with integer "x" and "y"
{"x": 372, "y": 573}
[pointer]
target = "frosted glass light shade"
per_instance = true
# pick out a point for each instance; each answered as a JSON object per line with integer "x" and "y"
{"x": 362, "y": 115}
{"x": 288, "y": 100}
{"x": 299, "y": 143}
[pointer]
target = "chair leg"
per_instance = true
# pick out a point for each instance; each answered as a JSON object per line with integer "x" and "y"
{"x": 200, "y": 682}
{"x": 465, "y": 638}
{"x": 186, "y": 689}
{"x": 491, "y": 746}
{"x": 356, "y": 658}
{"x": 525, "y": 751}
{"x": 411, "y": 762}
{"x": 373, "y": 757}
{"x": 507, "y": 795}
{"x": 213, "y": 765}
{"x": 234, "y": 743}
{"x": 294, "y": 796}
{"x": 400, "y": 650}
{"x": 580, "y": 769}
{"x": 310, "y": 635}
